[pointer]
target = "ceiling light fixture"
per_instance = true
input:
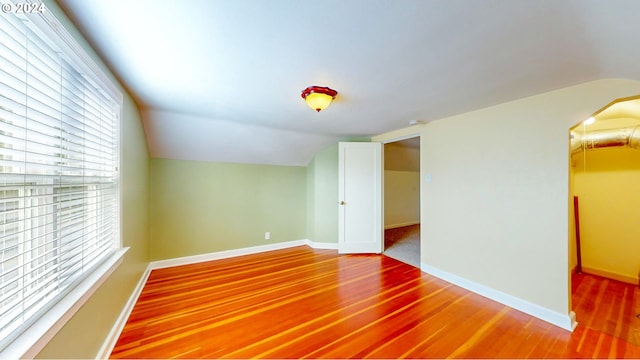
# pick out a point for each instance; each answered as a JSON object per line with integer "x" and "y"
{"x": 589, "y": 121}
{"x": 318, "y": 97}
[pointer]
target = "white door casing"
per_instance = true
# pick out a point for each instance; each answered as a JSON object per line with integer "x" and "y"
{"x": 360, "y": 197}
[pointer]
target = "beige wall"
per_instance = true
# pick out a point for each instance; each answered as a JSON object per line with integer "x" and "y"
{"x": 401, "y": 158}
{"x": 607, "y": 182}
{"x": 202, "y": 207}
{"x": 401, "y": 198}
{"x": 401, "y": 184}
{"x": 86, "y": 331}
{"x": 496, "y": 211}
{"x": 573, "y": 253}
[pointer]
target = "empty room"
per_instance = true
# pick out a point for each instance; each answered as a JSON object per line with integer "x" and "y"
{"x": 234, "y": 179}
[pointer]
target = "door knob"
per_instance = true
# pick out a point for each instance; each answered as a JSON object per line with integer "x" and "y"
{"x": 341, "y": 203}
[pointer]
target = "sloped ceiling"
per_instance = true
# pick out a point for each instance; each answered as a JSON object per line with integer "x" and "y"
{"x": 403, "y": 155}
{"x": 624, "y": 113}
{"x": 220, "y": 80}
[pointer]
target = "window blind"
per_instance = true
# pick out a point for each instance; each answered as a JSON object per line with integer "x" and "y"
{"x": 59, "y": 153}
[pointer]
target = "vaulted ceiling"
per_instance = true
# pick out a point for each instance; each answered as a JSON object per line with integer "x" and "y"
{"x": 220, "y": 80}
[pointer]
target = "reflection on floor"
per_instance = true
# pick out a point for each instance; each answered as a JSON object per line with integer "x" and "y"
{"x": 403, "y": 244}
{"x": 608, "y": 306}
{"x": 601, "y": 305}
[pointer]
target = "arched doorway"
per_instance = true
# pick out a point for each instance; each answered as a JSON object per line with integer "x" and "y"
{"x": 605, "y": 243}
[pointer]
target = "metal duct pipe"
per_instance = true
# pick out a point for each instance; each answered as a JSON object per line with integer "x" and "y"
{"x": 634, "y": 139}
{"x": 606, "y": 138}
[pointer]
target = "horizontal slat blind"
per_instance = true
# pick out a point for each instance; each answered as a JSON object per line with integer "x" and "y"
{"x": 58, "y": 173}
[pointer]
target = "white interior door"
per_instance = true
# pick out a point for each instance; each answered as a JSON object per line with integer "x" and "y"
{"x": 360, "y": 197}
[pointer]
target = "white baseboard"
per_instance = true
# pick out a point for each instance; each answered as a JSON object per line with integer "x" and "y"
{"x": 564, "y": 321}
{"x": 116, "y": 330}
{"x": 114, "y": 334}
{"x": 236, "y": 252}
{"x": 319, "y": 245}
{"x": 611, "y": 275}
{"x": 409, "y": 223}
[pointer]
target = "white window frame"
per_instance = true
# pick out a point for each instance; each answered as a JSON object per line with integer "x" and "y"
{"x": 35, "y": 338}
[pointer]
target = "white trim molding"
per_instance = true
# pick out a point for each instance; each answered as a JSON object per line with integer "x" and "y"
{"x": 47, "y": 21}
{"x": 118, "y": 326}
{"x": 160, "y": 264}
{"x": 408, "y": 223}
{"x": 114, "y": 334}
{"x": 611, "y": 275}
{"x": 34, "y": 339}
{"x": 564, "y": 321}
{"x": 320, "y": 245}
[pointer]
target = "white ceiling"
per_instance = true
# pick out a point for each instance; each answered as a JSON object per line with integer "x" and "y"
{"x": 220, "y": 80}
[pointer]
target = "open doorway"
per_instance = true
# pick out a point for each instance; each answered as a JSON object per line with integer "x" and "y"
{"x": 402, "y": 200}
{"x": 605, "y": 243}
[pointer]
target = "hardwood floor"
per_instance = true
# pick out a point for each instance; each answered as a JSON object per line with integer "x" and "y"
{"x": 304, "y": 303}
{"x": 608, "y": 306}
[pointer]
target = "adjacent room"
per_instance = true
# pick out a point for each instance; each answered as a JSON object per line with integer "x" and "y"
{"x": 402, "y": 200}
{"x": 279, "y": 179}
{"x": 605, "y": 173}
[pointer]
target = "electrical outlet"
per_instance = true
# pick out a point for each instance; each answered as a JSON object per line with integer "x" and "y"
{"x": 267, "y": 235}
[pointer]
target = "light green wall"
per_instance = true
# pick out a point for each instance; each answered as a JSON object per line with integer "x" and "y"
{"x": 202, "y": 207}
{"x": 496, "y": 211}
{"x": 86, "y": 331}
{"x": 311, "y": 211}
{"x": 322, "y": 196}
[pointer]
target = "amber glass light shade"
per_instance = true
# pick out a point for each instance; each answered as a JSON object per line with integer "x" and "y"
{"x": 318, "y": 97}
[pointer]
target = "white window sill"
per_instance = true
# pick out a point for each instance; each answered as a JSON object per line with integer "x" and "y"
{"x": 34, "y": 339}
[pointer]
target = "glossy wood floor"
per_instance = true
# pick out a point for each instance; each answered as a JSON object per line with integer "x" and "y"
{"x": 608, "y": 306}
{"x": 304, "y": 303}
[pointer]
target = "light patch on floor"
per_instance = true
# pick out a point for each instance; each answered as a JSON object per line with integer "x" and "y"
{"x": 403, "y": 244}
